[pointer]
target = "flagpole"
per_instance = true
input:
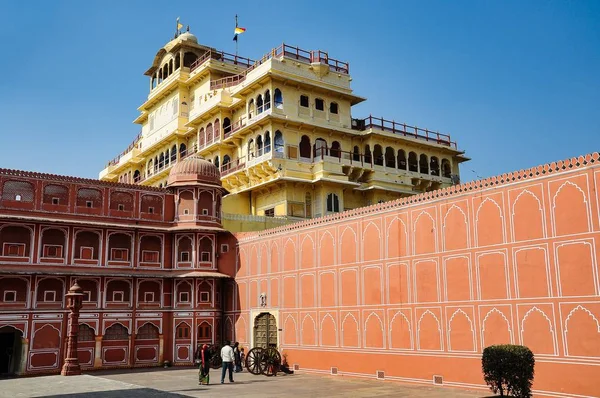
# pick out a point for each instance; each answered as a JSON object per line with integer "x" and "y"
{"x": 237, "y": 36}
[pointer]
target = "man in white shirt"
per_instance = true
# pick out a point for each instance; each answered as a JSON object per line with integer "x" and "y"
{"x": 227, "y": 357}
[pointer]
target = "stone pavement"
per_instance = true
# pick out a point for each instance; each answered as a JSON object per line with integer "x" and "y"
{"x": 172, "y": 383}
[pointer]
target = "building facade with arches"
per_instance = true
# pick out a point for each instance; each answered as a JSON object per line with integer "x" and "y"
{"x": 154, "y": 265}
{"x": 281, "y": 131}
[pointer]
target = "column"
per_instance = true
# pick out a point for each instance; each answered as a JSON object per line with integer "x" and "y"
{"x": 98, "y": 352}
{"x": 24, "y": 354}
{"x": 161, "y": 349}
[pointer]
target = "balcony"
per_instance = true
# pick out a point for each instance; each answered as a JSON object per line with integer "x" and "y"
{"x": 224, "y": 57}
{"x": 248, "y": 120}
{"x": 298, "y": 54}
{"x": 390, "y": 126}
{"x": 158, "y": 170}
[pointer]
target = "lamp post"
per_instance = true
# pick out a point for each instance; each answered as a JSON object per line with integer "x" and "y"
{"x": 74, "y": 303}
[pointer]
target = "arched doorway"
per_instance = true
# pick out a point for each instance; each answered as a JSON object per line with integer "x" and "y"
{"x": 265, "y": 330}
{"x": 10, "y": 350}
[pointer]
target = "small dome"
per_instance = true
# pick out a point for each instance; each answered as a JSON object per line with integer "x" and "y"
{"x": 194, "y": 170}
{"x": 187, "y": 36}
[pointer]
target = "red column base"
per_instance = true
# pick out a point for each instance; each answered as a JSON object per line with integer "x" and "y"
{"x": 71, "y": 368}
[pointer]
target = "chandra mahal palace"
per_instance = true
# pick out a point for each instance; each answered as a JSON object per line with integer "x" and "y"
{"x": 254, "y": 207}
{"x": 281, "y": 132}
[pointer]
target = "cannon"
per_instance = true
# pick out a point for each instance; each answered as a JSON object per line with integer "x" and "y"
{"x": 264, "y": 361}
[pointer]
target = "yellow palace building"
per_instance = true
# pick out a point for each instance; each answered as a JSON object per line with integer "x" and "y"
{"x": 282, "y": 133}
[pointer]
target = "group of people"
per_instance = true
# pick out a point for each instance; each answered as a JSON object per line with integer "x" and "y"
{"x": 230, "y": 356}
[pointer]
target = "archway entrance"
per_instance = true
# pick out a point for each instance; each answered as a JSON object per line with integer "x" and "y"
{"x": 265, "y": 330}
{"x": 10, "y": 350}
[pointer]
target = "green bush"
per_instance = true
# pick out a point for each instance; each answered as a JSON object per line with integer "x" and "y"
{"x": 508, "y": 368}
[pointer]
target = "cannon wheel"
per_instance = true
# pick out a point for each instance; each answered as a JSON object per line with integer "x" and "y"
{"x": 215, "y": 360}
{"x": 270, "y": 361}
{"x": 253, "y": 360}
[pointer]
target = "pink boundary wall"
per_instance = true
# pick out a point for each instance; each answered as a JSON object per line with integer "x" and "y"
{"x": 414, "y": 289}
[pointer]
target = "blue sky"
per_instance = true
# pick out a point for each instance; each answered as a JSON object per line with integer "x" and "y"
{"x": 516, "y": 83}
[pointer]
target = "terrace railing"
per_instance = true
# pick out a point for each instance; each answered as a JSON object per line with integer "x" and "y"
{"x": 402, "y": 129}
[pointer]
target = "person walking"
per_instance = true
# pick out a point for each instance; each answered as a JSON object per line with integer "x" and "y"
{"x": 227, "y": 357}
{"x": 237, "y": 357}
{"x": 205, "y": 356}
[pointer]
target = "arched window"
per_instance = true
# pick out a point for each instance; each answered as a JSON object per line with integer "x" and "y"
{"x": 336, "y": 150}
{"x": 267, "y": 142}
{"x": 259, "y": 104}
{"x": 189, "y": 58}
{"x": 116, "y": 332}
{"x": 378, "y": 155}
{"x": 201, "y": 138}
{"x": 320, "y": 148}
{"x": 167, "y": 157}
{"x": 434, "y": 165}
{"x": 333, "y": 108}
{"x": 226, "y": 160}
{"x": 174, "y": 153}
{"x": 401, "y": 159}
{"x": 305, "y": 147}
{"x": 85, "y": 333}
{"x": 250, "y": 108}
{"x": 209, "y": 133}
{"x": 226, "y": 125}
{"x": 150, "y": 167}
{"x": 446, "y": 168}
{"x": 304, "y": 101}
{"x": 161, "y": 161}
{"x": 217, "y": 161}
{"x": 356, "y": 154}
{"x": 413, "y": 164}
{"x": 424, "y": 164}
{"x": 156, "y": 164}
{"x": 56, "y": 194}
{"x": 368, "y": 157}
{"x": 390, "y": 158}
{"x": 148, "y": 331}
{"x": 259, "y": 145}
{"x": 319, "y": 104}
{"x": 278, "y": 98}
{"x": 250, "y": 148}
{"x": 204, "y": 332}
{"x": 182, "y": 150}
{"x": 267, "y": 100}
{"x": 333, "y": 203}
{"x": 217, "y": 129}
{"x": 183, "y": 331}
{"x": 137, "y": 176}
{"x": 279, "y": 143}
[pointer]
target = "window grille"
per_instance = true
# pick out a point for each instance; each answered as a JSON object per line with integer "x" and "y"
{"x": 18, "y": 190}
{"x": 116, "y": 332}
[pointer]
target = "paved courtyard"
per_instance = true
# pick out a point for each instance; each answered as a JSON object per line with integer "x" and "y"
{"x": 173, "y": 383}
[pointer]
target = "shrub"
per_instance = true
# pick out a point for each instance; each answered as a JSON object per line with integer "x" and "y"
{"x": 508, "y": 368}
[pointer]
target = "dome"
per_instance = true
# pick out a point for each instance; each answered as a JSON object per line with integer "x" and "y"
{"x": 194, "y": 170}
{"x": 187, "y": 36}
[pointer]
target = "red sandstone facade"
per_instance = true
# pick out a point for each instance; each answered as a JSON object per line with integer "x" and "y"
{"x": 413, "y": 290}
{"x": 152, "y": 264}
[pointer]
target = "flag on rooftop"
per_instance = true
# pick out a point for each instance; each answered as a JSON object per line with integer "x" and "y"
{"x": 238, "y": 31}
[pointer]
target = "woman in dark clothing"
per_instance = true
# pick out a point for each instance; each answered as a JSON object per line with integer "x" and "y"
{"x": 205, "y": 355}
{"x": 237, "y": 357}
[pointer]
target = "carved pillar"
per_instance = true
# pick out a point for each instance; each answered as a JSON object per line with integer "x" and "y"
{"x": 24, "y": 354}
{"x": 161, "y": 349}
{"x": 98, "y": 352}
{"x": 74, "y": 302}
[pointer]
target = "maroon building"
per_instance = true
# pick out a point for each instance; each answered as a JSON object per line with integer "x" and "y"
{"x": 155, "y": 266}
